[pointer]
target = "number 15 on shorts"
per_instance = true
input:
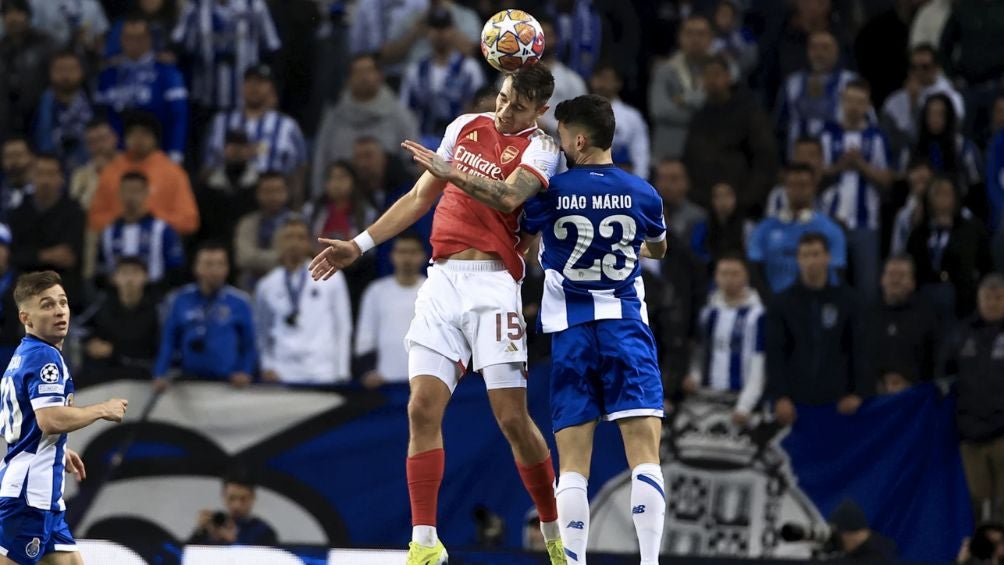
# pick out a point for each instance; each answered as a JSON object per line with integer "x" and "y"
{"x": 514, "y": 326}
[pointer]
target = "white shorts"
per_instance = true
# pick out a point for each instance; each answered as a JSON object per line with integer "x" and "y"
{"x": 469, "y": 309}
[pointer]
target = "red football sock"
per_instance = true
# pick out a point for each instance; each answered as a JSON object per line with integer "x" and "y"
{"x": 425, "y": 473}
{"x": 539, "y": 482}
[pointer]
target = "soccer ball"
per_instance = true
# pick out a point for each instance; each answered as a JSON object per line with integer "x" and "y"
{"x": 511, "y": 40}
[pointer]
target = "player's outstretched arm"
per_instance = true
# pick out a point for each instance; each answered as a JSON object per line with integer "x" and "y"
{"x": 506, "y": 196}
{"x": 399, "y": 217}
{"x": 65, "y": 419}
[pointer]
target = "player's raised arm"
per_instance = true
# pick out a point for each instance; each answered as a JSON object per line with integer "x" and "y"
{"x": 399, "y": 217}
{"x": 506, "y": 196}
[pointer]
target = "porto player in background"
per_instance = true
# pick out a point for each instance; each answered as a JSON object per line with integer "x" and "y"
{"x": 468, "y": 311}
{"x": 36, "y": 414}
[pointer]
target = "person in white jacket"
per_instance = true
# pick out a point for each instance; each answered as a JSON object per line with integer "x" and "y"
{"x": 304, "y": 327}
{"x": 731, "y": 356}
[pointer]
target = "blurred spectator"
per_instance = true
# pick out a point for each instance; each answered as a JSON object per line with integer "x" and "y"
{"x": 773, "y": 245}
{"x": 807, "y": 151}
{"x": 236, "y": 525}
{"x": 904, "y": 330}
{"x": 814, "y": 340}
{"x": 255, "y": 253}
{"x": 11, "y": 329}
{"x": 368, "y": 108}
{"x": 858, "y": 157}
{"x": 902, "y": 109}
{"x": 208, "y": 332}
{"x": 859, "y": 543}
{"x": 160, "y": 15}
{"x": 386, "y": 311}
{"x": 941, "y": 142}
{"x": 732, "y": 38}
{"x": 675, "y": 90}
{"x": 910, "y": 215}
{"x": 406, "y": 40}
{"x": 811, "y": 97}
{"x": 24, "y": 72}
{"x": 124, "y": 332}
{"x": 731, "y": 356}
{"x": 101, "y": 145}
{"x": 969, "y": 45}
{"x": 951, "y": 252}
{"x": 341, "y": 211}
{"x": 171, "y": 197}
{"x": 995, "y": 179}
{"x": 881, "y": 48}
{"x": 79, "y": 25}
{"x": 630, "y": 148}
{"x": 276, "y": 137}
{"x": 592, "y": 31}
{"x": 48, "y": 229}
{"x": 985, "y": 547}
{"x": 138, "y": 233}
{"x": 229, "y": 189}
{"x": 223, "y": 40}
{"x": 17, "y": 159}
{"x": 304, "y": 327}
{"x": 930, "y": 22}
{"x": 330, "y": 68}
{"x": 438, "y": 87}
{"x": 725, "y": 230}
{"x": 730, "y": 141}
{"x": 567, "y": 83}
{"x": 673, "y": 184}
{"x": 140, "y": 82}
{"x": 975, "y": 357}
{"x": 64, "y": 112}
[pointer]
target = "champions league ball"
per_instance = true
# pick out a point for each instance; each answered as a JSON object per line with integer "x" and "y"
{"x": 511, "y": 40}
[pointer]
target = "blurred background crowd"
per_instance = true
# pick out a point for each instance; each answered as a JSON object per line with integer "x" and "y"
{"x": 832, "y": 173}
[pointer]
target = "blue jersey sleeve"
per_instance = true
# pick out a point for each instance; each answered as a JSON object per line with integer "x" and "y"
{"x": 535, "y": 213}
{"x": 755, "y": 248}
{"x": 176, "y": 99}
{"x": 170, "y": 338}
{"x": 45, "y": 379}
{"x": 248, "y": 353}
{"x": 655, "y": 220}
{"x": 174, "y": 254}
{"x": 838, "y": 245}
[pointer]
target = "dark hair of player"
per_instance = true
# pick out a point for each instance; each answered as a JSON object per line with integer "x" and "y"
{"x": 135, "y": 176}
{"x": 734, "y": 257}
{"x": 811, "y": 237}
{"x": 592, "y": 113}
{"x": 130, "y": 261}
{"x": 30, "y": 285}
{"x": 535, "y": 83}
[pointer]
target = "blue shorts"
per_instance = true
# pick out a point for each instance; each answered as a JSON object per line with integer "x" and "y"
{"x": 28, "y": 534}
{"x": 604, "y": 369}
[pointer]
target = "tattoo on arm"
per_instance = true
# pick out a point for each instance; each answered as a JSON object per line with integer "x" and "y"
{"x": 504, "y": 195}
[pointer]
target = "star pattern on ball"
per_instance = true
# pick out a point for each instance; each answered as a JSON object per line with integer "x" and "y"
{"x": 508, "y": 25}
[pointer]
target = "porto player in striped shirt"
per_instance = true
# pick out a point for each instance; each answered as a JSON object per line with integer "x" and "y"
{"x": 468, "y": 311}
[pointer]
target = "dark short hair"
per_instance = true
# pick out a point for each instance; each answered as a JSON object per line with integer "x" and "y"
{"x": 65, "y": 54}
{"x": 605, "y": 66}
{"x": 536, "y": 83}
{"x": 410, "y": 236}
{"x": 717, "y": 60}
{"x": 292, "y": 220}
{"x": 798, "y": 167}
{"x": 808, "y": 238}
{"x": 272, "y": 175}
{"x": 136, "y": 18}
{"x": 859, "y": 83}
{"x": 135, "y": 176}
{"x": 733, "y": 256}
{"x": 903, "y": 258}
{"x": 240, "y": 476}
{"x": 212, "y": 246}
{"x": 235, "y": 136}
{"x": 372, "y": 55}
{"x": 97, "y": 122}
{"x": 592, "y": 113}
{"x": 138, "y": 119}
{"x": 917, "y": 161}
{"x": 30, "y": 285}
{"x": 809, "y": 140}
{"x": 925, "y": 48}
{"x": 130, "y": 261}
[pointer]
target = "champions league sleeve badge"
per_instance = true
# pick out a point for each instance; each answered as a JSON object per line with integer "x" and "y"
{"x": 49, "y": 373}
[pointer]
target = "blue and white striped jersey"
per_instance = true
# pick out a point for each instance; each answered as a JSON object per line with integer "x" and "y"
{"x": 281, "y": 146}
{"x": 733, "y": 348}
{"x": 801, "y": 114}
{"x": 32, "y": 470}
{"x": 437, "y": 94}
{"x": 225, "y": 38}
{"x": 853, "y": 199}
{"x": 151, "y": 239}
{"x": 593, "y": 220}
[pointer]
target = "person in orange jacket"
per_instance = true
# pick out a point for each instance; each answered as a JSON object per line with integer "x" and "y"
{"x": 171, "y": 198}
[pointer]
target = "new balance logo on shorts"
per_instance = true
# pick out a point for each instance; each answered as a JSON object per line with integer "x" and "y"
{"x": 640, "y": 509}
{"x": 576, "y": 525}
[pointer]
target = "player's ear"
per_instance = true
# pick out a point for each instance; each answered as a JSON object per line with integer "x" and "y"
{"x": 24, "y": 318}
{"x": 542, "y": 109}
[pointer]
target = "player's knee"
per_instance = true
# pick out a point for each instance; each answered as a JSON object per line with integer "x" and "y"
{"x": 514, "y": 424}
{"x": 424, "y": 412}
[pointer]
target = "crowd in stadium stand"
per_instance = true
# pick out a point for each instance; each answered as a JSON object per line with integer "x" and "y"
{"x": 832, "y": 172}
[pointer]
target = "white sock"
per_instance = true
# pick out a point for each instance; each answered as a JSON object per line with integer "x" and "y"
{"x": 573, "y": 515}
{"x": 424, "y": 535}
{"x": 551, "y": 530}
{"x": 648, "y": 510}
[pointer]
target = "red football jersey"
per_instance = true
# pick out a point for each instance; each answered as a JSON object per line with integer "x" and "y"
{"x": 475, "y": 146}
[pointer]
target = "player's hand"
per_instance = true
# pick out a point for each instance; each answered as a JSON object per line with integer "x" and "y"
{"x": 372, "y": 380}
{"x": 240, "y": 379}
{"x": 784, "y": 411}
{"x": 204, "y": 520}
{"x": 114, "y": 409}
{"x": 430, "y": 160}
{"x": 75, "y": 465}
{"x": 849, "y": 404}
{"x": 336, "y": 256}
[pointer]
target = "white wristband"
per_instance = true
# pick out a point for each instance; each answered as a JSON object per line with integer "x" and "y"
{"x": 364, "y": 241}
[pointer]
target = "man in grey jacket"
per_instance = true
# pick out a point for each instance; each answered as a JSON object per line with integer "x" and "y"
{"x": 369, "y": 108}
{"x": 675, "y": 92}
